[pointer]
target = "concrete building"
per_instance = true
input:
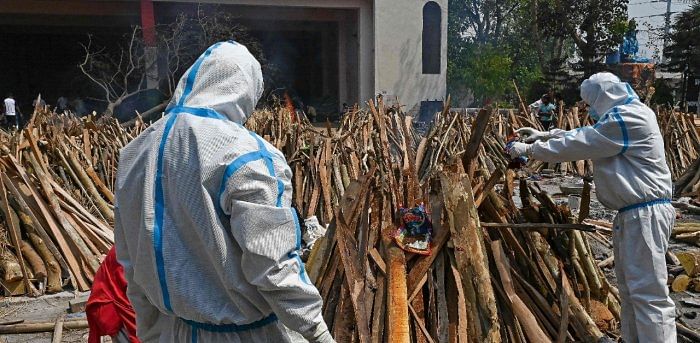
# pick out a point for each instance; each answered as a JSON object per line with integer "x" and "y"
{"x": 346, "y": 50}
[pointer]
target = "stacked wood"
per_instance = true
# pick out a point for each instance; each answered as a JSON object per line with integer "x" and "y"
{"x": 483, "y": 281}
{"x": 687, "y": 232}
{"x": 689, "y": 276}
{"x": 682, "y": 145}
{"x": 56, "y": 201}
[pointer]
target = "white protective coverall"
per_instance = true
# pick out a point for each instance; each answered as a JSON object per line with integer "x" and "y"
{"x": 204, "y": 228}
{"x": 631, "y": 176}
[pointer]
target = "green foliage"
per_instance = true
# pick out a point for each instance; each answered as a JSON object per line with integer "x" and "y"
{"x": 663, "y": 95}
{"x": 595, "y": 26}
{"x": 684, "y": 51}
{"x": 487, "y": 48}
{"x": 487, "y": 72}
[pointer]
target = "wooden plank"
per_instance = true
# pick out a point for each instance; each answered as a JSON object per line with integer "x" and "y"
{"x": 470, "y": 253}
{"x": 71, "y": 261}
{"x": 477, "y": 134}
{"x": 524, "y": 315}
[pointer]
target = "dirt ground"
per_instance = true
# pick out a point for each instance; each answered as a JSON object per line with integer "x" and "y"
{"x": 45, "y": 309}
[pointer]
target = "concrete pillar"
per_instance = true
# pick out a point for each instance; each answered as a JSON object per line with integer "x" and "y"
{"x": 149, "y": 37}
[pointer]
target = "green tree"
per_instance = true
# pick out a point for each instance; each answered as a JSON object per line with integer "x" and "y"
{"x": 684, "y": 51}
{"x": 594, "y": 26}
{"x": 487, "y": 49}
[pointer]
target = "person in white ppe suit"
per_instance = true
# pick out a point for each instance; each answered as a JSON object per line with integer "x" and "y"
{"x": 631, "y": 176}
{"x": 204, "y": 229}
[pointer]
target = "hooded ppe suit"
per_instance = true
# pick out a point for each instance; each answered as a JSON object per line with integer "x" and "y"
{"x": 631, "y": 176}
{"x": 204, "y": 228}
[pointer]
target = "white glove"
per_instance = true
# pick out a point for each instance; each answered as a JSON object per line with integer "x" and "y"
{"x": 519, "y": 149}
{"x": 313, "y": 232}
{"x": 533, "y": 135}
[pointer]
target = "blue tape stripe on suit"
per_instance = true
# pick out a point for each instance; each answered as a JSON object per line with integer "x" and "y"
{"x": 189, "y": 83}
{"x": 237, "y": 164}
{"x": 160, "y": 197}
{"x": 194, "y": 334}
{"x": 270, "y": 168}
{"x": 159, "y": 213}
{"x": 295, "y": 253}
{"x": 199, "y": 112}
{"x": 231, "y": 327}
{"x": 623, "y": 127}
{"x": 645, "y": 204}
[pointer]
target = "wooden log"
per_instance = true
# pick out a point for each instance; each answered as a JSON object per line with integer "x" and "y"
{"x": 58, "y": 329}
{"x": 692, "y": 238}
{"x": 477, "y": 135}
{"x": 75, "y": 324}
{"x": 53, "y": 270}
{"x": 684, "y": 331}
{"x": 378, "y": 310}
{"x": 32, "y": 225}
{"x": 525, "y": 316}
{"x": 86, "y": 255}
{"x": 34, "y": 260}
{"x": 690, "y": 260}
{"x": 539, "y": 226}
{"x": 592, "y": 333}
{"x": 10, "y": 266}
{"x": 397, "y": 297}
{"x": 680, "y": 283}
{"x": 470, "y": 253}
{"x": 15, "y": 238}
{"x": 589, "y": 266}
{"x": 86, "y": 183}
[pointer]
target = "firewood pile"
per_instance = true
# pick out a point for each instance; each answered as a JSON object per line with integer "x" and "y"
{"x": 56, "y": 201}
{"x": 682, "y": 143}
{"x": 496, "y": 272}
{"x": 686, "y": 277}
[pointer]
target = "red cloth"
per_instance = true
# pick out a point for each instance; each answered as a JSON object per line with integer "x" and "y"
{"x": 108, "y": 309}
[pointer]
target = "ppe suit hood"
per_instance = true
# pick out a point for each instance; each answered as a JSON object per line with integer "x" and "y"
{"x": 226, "y": 78}
{"x": 603, "y": 91}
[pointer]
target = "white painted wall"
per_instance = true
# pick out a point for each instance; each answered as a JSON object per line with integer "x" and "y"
{"x": 398, "y": 38}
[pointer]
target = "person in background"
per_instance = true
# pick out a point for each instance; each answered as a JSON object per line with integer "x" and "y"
{"x": 544, "y": 110}
{"x": 108, "y": 310}
{"x": 632, "y": 177}
{"x": 61, "y": 105}
{"x": 204, "y": 226}
{"x": 42, "y": 103}
{"x": 11, "y": 112}
{"x": 311, "y": 113}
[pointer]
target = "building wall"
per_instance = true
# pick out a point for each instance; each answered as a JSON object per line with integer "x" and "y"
{"x": 359, "y": 39}
{"x": 398, "y": 49}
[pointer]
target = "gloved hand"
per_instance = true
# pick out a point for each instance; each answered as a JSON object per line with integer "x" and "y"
{"x": 518, "y": 149}
{"x": 532, "y": 134}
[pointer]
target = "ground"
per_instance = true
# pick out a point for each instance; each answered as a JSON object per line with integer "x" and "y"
{"x": 44, "y": 309}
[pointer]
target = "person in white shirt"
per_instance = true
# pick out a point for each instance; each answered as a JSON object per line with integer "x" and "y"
{"x": 11, "y": 111}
